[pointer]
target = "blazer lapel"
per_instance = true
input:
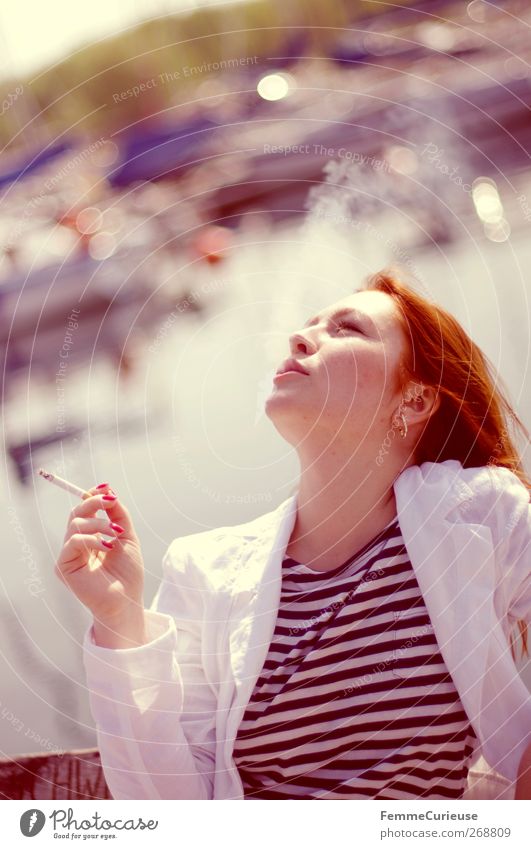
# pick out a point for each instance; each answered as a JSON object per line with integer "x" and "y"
{"x": 453, "y": 562}
{"x": 254, "y": 611}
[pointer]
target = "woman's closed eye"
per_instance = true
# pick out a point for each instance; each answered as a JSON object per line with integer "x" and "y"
{"x": 347, "y": 326}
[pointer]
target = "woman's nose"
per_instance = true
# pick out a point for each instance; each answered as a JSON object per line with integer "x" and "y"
{"x": 298, "y": 342}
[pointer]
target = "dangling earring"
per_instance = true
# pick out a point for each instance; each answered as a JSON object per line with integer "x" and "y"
{"x": 403, "y": 430}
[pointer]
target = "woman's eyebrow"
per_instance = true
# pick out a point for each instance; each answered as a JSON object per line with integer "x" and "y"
{"x": 356, "y": 314}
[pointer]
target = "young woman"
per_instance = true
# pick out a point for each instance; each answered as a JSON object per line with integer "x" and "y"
{"x": 359, "y": 640}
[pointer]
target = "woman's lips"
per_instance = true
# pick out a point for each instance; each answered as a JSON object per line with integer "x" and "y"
{"x": 291, "y": 364}
{"x": 288, "y": 373}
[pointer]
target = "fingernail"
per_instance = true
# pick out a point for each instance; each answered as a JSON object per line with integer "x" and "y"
{"x": 116, "y": 528}
{"x": 107, "y": 544}
{"x": 102, "y": 485}
{"x": 109, "y": 497}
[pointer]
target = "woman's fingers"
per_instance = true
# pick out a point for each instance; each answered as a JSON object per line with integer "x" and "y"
{"x": 89, "y": 506}
{"x": 101, "y": 489}
{"x": 80, "y": 525}
{"x": 77, "y": 550}
{"x": 106, "y": 575}
{"x": 117, "y": 513}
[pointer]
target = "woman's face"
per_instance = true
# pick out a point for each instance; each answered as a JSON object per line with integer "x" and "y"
{"x": 353, "y": 387}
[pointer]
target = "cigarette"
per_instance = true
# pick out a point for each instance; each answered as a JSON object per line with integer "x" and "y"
{"x": 70, "y": 487}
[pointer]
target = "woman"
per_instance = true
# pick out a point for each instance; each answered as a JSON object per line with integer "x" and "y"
{"x": 357, "y": 641}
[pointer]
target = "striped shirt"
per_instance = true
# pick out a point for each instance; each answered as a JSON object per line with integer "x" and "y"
{"x": 354, "y": 700}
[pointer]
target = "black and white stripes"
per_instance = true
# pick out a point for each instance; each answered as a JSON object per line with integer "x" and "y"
{"x": 354, "y": 700}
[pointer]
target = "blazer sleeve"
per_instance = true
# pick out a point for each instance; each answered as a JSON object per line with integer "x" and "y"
{"x": 519, "y": 560}
{"x": 152, "y": 704}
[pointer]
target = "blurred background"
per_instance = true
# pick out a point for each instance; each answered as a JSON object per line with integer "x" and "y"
{"x": 182, "y": 185}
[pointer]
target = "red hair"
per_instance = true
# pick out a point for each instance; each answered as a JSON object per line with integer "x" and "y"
{"x": 473, "y": 420}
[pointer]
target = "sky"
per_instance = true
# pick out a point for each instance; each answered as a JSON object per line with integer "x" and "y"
{"x": 34, "y": 34}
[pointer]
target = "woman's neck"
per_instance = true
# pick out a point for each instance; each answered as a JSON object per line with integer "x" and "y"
{"x": 337, "y": 515}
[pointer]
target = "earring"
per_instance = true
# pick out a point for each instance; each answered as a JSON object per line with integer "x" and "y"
{"x": 403, "y": 430}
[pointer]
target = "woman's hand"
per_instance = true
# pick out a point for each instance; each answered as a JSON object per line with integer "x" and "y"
{"x": 107, "y": 576}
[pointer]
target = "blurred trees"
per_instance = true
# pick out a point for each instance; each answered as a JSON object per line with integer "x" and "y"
{"x": 80, "y": 93}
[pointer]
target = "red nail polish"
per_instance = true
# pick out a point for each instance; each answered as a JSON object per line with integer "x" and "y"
{"x": 116, "y": 528}
{"x": 102, "y": 485}
{"x": 107, "y": 544}
{"x": 109, "y": 497}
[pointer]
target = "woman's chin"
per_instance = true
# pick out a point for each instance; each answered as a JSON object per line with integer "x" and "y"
{"x": 278, "y": 399}
{"x": 287, "y": 416}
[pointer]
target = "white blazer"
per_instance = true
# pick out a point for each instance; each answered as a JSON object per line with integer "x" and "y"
{"x": 167, "y": 713}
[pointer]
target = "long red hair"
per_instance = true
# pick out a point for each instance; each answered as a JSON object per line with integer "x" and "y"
{"x": 474, "y": 418}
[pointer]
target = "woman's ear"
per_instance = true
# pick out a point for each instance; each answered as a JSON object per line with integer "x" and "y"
{"x": 419, "y": 404}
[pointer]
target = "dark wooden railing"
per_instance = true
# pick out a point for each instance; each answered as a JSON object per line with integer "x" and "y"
{"x": 76, "y": 774}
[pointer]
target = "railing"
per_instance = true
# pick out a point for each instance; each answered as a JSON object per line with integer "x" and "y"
{"x": 76, "y": 774}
